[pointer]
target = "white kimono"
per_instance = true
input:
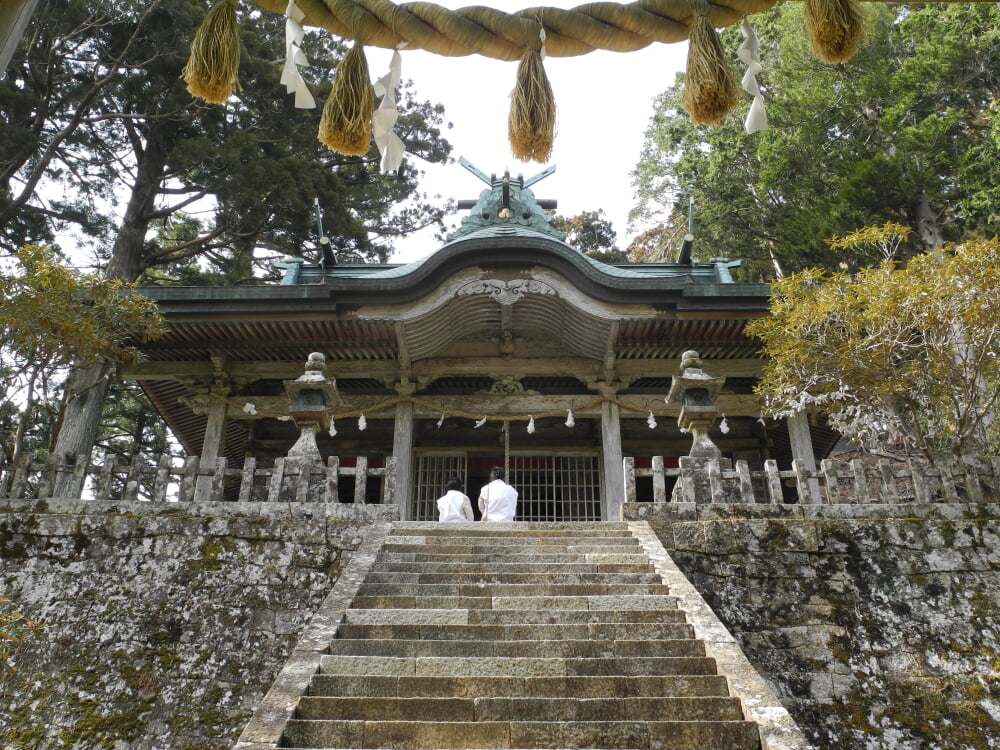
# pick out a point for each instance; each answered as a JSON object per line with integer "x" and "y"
{"x": 498, "y": 501}
{"x": 454, "y": 506}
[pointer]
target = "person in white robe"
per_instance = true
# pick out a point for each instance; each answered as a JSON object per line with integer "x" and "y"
{"x": 454, "y": 506}
{"x": 498, "y": 500}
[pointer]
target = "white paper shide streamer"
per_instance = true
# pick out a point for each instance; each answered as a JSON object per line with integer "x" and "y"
{"x": 531, "y": 425}
{"x": 757, "y": 117}
{"x": 291, "y": 79}
{"x": 385, "y": 116}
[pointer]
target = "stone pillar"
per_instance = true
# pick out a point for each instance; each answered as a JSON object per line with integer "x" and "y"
{"x": 611, "y": 449}
{"x": 402, "y": 449}
{"x": 800, "y": 439}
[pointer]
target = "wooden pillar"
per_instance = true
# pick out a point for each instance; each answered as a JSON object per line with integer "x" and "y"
{"x": 800, "y": 440}
{"x": 614, "y": 474}
{"x": 212, "y": 447}
{"x": 402, "y": 450}
{"x": 215, "y": 430}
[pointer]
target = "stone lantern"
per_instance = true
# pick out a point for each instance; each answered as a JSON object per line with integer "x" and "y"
{"x": 308, "y": 397}
{"x": 696, "y": 393}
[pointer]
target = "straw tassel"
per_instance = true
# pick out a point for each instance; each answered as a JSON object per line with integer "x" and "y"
{"x": 836, "y": 28}
{"x": 710, "y": 90}
{"x": 211, "y": 70}
{"x": 532, "y": 122}
{"x": 346, "y": 123}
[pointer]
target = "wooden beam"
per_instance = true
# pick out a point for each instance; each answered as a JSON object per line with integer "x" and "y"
{"x": 402, "y": 347}
{"x": 258, "y": 370}
{"x": 492, "y": 366}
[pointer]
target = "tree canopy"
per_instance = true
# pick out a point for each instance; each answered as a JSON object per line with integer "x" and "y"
{"x": 592, "y": 234}
{"x": 904, "y": 132}
{"x": 96, "y": 108}
{"x": 70, "y": 318}
{"x": 53, "y": 318}
{"x": 100, "y": 139}
{"x": 905, "y": 360}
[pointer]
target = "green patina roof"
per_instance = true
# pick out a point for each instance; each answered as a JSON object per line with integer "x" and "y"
{"x": 507, "y": 215}
{"x": 507, "y": 206}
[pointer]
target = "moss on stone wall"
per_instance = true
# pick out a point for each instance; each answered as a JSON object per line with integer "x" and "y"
{"x": 161, "y": 631}
{"x": 877, "y": 625}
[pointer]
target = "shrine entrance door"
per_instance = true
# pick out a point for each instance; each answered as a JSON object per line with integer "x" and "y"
{"x": 551, "y": 486}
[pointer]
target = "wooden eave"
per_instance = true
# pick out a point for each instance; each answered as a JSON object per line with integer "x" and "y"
{"x": 387, "y": 323}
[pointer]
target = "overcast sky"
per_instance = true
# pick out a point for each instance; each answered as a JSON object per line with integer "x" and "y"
{"x": 604, "y": 102}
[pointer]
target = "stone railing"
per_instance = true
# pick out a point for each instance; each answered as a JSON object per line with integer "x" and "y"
{"x": 716, "y": 481}
{"x": 162, "y": 480}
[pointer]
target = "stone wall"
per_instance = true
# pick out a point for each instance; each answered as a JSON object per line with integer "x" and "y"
{"x": 877, "y": 625}
{"x": 161, "y": 630}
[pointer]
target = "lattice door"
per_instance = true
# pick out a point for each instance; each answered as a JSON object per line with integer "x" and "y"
{"x": 433, "y": 473}
{"x": 557, "y": 487}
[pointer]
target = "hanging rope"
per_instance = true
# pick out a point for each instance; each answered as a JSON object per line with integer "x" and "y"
{"x": 504, "y": 36}
{"x": 504, "y": 419}
{"x": 835, "y": 28}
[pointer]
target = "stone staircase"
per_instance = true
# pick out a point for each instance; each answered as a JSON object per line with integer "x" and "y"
{"x": 520, "y": 635}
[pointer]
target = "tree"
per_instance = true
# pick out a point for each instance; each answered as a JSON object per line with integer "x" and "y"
{"x": 592, "y": 234}
{"x": 93, "y": 102}
{"x": 52, "y": 318}
{"x": 904, "y": 132}
{"x": 905, "y": 360}
{"x": 111, "y": 118}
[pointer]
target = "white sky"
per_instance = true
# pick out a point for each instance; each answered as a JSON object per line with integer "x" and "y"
{"x": 604, "y": 101}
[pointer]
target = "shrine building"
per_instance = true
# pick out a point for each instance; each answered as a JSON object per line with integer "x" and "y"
{"x": 505, "y": 347}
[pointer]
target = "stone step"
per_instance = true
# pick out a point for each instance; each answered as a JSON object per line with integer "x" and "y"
{"x": 523, "y": 542}
{"x": 516, "y": 529}
{"x": 447, "y": 666}
{"x": 520, "y": 709}
{"x": 512, "y": 589}
{"x": 609, "y": 579}
{"x": 596, "y": 602}
{"x": 605, "y": 686}
{"x": 432, "y": 553}
{"x": 591, "y": 565}
{"x": 527, "y": 632}
{"x": 460, "y": 568}
{"x": 507, "y": 616}
{"x": 506, "y": 559}
{"x": 514, "y": 636}
{"x": 527, "y": 648}
{"x": 416, "y": 735}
